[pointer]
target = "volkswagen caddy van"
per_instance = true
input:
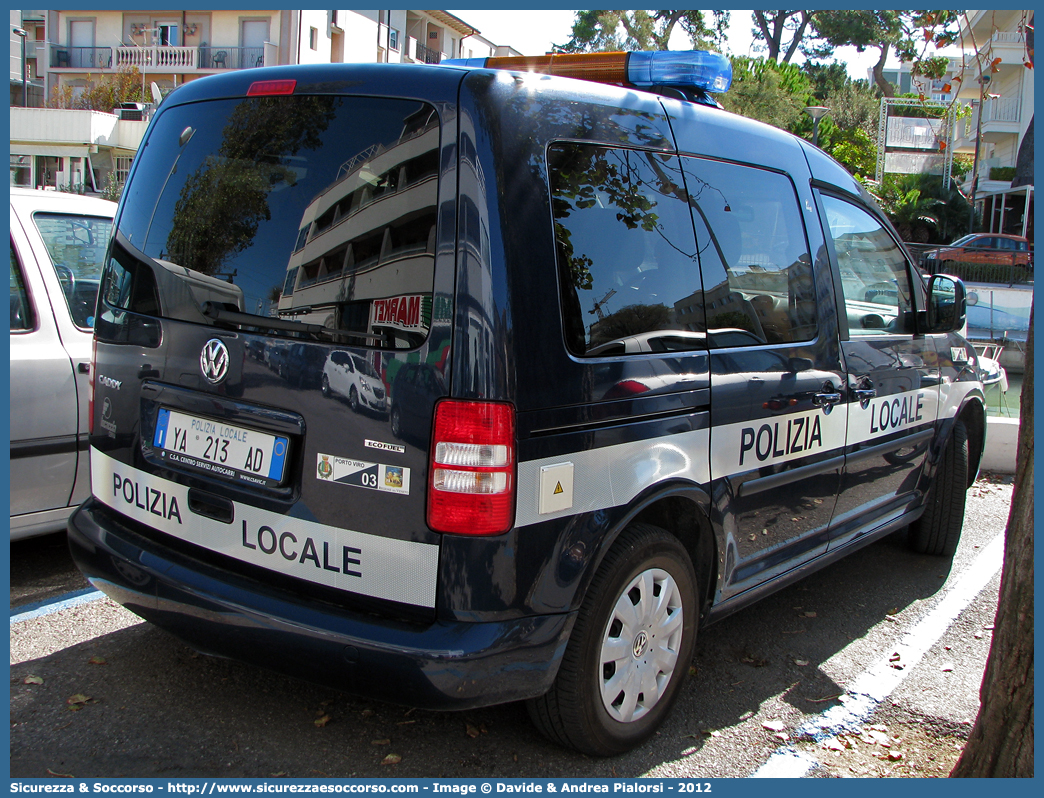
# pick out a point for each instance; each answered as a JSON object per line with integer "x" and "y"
{"x": 634, "y": 363}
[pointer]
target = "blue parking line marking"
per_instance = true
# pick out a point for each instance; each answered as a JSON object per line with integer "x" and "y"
{"x": 40, "y": 608}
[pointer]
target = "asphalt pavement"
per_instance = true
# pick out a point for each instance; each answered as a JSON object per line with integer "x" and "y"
{"x": 868, "y": 667}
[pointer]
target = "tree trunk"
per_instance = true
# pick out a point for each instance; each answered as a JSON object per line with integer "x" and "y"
{"x": 1001, "y": 741}
{"x": 887, "y": 89}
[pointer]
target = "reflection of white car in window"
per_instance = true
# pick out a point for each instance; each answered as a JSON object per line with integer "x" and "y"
{"x": 352, "y": 377}
{"x": 58, "y": 243}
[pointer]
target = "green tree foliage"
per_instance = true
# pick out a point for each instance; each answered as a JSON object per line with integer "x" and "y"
{"x": 910, "y": 210}
{"x": 921, "y": 209}
{"x": 113, "y": 189}
{"x": 778, "y": 93}
{"x": 105, "y": 94}
{"x": 769, "y": 92}
{"x": 849, "y": 132}
{"x": 907, "y": 32}
{"x": 612, "y": 31}
{"x": 855, "y": 150}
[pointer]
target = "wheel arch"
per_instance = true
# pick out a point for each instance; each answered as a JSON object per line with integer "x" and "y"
{"x": 682, "y": 510}
{"x": 973, "y": 414}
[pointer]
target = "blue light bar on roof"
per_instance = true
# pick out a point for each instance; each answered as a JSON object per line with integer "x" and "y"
{"x": 700, "y": 68}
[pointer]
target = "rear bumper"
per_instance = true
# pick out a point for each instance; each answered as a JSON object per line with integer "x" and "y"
{"x": 440, "y": 665}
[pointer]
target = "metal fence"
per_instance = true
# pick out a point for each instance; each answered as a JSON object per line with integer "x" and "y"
{"x": 81, "y": 57}
{"x": 427, "y": 55}
{"x": 159, "y": 57}
{"x": 231, "y": 57}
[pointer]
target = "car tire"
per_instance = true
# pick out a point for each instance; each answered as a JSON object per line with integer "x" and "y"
{"x": 597, "y": 703}
{"x": 396, "y": 422}
{"x": 938, "y": 530}
{"x": 326, "y": 385}
{"x": 353, "y": 399}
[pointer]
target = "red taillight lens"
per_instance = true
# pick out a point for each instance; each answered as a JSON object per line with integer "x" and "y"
{"x": 266, "y": 88}
{"x": 471, "y": 482}
{"x": 90, "y": 387}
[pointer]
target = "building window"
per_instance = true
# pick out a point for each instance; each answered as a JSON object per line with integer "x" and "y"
{"x": 313, "y": 38}
{"x": 21, "y": 170}
{"x": 393, "y": 39}
{"x": 123, "y": 165}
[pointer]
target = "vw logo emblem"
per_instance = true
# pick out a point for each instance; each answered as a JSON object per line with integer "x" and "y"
{"x": 640, "y": 644}
{"x": 213, "y": 361}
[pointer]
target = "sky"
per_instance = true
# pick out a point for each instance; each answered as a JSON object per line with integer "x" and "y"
{"x": 533, "y": 32}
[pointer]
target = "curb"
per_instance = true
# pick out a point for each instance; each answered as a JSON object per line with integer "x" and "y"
{"x": 1002, "y": 439}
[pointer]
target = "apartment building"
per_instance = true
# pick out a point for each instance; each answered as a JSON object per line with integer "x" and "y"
{"x": 66, "y": 50}
{"x": 999, "y": 87}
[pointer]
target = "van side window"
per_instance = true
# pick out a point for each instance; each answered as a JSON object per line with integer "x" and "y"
{"x": 874, "y": 275}
{"x": 757, "y": 271}
{"x": 626, "y": 255}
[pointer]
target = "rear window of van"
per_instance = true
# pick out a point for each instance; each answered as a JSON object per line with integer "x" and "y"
{"x": 312, "y": 209}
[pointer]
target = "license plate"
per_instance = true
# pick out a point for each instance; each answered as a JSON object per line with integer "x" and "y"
{"x": 220, "y": 448}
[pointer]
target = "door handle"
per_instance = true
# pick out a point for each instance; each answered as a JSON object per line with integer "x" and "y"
{"x": 864, "y": 395}
{"x": 826, "y": 398}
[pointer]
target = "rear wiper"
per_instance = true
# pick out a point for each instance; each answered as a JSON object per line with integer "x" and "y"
{"x": 215, "y": 312}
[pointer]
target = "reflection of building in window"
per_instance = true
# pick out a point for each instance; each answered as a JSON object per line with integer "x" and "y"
{"x": 365, "y": 251}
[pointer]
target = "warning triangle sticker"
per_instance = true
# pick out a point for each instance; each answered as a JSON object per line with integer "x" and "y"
{"x": 558, "y": 488}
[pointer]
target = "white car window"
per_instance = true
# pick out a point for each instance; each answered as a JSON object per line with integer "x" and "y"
{"x": 76, "y": 245}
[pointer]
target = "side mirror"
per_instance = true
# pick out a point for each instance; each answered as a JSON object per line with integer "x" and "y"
{"x": 947, "y": 304}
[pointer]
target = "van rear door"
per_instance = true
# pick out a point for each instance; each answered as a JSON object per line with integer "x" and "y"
{"x": 270, "y": 230}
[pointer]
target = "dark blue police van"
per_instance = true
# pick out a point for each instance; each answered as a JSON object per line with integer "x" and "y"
{"x": 577, "y": 368}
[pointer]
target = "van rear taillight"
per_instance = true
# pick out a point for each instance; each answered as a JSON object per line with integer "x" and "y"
{"x": 90, "y": 386}
{"x": 471, "y": 483}
{"x": 267, "y": 88}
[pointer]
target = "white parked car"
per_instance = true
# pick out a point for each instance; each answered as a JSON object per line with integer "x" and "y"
{"x": 58, "y": 244}
{"x": 353, "y": 378}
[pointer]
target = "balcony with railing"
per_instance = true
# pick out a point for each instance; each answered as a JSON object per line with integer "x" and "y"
{"x": 1002, "y": 109}
{"x": 426, "y": 55}
{"x": 63, "y": 57}
{"x": 1008, "y": 45}
{"x": 1000, "y": 116}
{"x": 157, "y": 59}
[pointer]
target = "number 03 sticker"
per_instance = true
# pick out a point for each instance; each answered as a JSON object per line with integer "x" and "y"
{"x": 375, "y": 476}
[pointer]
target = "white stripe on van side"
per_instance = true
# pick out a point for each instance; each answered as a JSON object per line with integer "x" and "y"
{"x": 612, "y": 476}
{"x": 746, "y": 445}
{"x": 396, "y": 570}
